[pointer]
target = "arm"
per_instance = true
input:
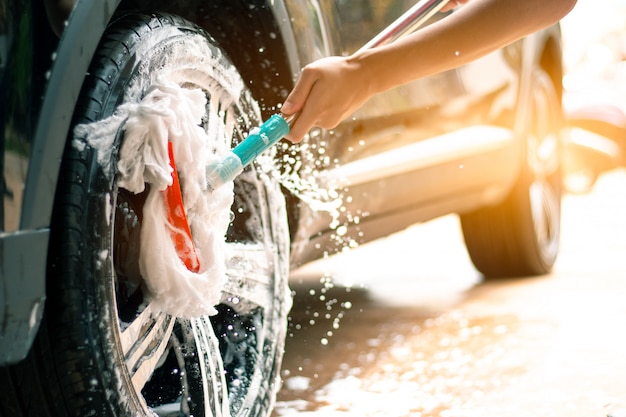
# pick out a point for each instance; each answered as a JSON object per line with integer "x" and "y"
{"x": 331, "y": 89}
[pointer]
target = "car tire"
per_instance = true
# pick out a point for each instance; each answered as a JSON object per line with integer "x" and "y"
{"x": 101, "y": 350}
{"x": 520, "y": 236}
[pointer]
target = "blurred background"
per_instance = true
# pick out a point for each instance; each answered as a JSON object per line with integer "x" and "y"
{"x": 595, "y": 87}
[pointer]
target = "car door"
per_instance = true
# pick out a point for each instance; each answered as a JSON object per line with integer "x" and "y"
{"x": 417, "y": 151}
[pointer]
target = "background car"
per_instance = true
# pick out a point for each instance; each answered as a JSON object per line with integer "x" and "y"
{"x": 79, "y": 335}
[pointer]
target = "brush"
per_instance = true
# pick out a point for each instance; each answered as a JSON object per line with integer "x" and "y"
{"x": 258, "y": 141}
{"x": 276, "y": 127}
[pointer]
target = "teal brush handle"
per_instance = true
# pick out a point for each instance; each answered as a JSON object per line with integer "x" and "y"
{"x": 261, "y": 139}
{"x": 258, "y": 140}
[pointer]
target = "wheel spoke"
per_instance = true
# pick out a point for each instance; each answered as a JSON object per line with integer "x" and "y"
{"x": 544, "y": 161}
{"x": 214, "y": 385}
{"x": 548, "y": 154}
{"x": 143, "y": 343}
{"x": 544, "y": 204}
{"x": 249, "y": 277}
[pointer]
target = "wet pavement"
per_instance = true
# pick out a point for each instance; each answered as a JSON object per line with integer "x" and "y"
{"x": 405, "y": 327}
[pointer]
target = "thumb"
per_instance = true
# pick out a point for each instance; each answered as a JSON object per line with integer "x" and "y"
{"x": 297, "y": 97}
{"x": 289, "y": 107}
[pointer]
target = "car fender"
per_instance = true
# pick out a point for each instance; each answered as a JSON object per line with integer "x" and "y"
{"x": 23, "y": 253}
{"x": 76, "y": 47}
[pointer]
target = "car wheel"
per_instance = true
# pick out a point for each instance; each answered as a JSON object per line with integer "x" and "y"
{"x": 102, "y": 349}
{"x": 520, "y": 236}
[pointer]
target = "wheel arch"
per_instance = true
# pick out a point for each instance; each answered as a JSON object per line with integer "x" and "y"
{"x": 541, "y": 50}
{"x": 551, "y": 60}
{"x": 544, "y": 50}
{"x": 71, "y": 60}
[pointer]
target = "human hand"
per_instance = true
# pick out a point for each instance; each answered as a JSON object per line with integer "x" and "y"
{"x": 327, "y": 91}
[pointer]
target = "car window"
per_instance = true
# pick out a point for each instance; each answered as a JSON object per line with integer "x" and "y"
{"x": 361, "y": 20}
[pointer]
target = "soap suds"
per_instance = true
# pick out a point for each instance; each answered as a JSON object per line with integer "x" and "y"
{"x": 169, "y": 112}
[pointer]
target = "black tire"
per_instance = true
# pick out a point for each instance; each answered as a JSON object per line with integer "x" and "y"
{"x": 82, "y": 363}
{"x": 520, "y": 236}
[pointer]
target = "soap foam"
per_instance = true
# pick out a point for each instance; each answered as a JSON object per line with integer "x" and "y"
{"x": 169, "y": 112}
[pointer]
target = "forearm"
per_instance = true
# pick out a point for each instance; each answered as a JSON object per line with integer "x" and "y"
{"x": 330, "y": 89}
{"x": 478, "y": 28}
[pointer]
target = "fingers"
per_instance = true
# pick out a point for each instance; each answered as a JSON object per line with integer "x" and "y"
{"x": 303, "y": 121}
{"x": 298, "y": 96}
{"x": 301, "y": 125}
{"x": 313, "y": 113}
{"x": 322, "y": 96}
{"x": 294, "y": 103}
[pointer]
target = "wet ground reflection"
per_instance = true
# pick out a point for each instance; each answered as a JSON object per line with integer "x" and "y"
{"x": 546, "y": 346}
{"x": 397, "y": 362}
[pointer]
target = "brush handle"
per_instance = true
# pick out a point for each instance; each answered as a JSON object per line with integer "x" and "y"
{"x": 258, "y": 140}
{"x": 261, "y": 138}
{"x": 406, "y": 24}
{"x": 219, "y": 173}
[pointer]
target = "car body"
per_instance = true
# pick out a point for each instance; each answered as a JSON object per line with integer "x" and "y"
{"x": 455, "y": 142}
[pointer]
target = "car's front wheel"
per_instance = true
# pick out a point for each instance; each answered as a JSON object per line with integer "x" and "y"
{"x": 103, "y": 348}
{"x": 520, "y": 236}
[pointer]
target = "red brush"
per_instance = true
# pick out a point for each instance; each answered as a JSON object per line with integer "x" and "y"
{"x": 181, "y": 233}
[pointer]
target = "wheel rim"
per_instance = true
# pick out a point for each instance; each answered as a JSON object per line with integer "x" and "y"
{"x": 544, "y": 164}
{"x": 172, "y": 363}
